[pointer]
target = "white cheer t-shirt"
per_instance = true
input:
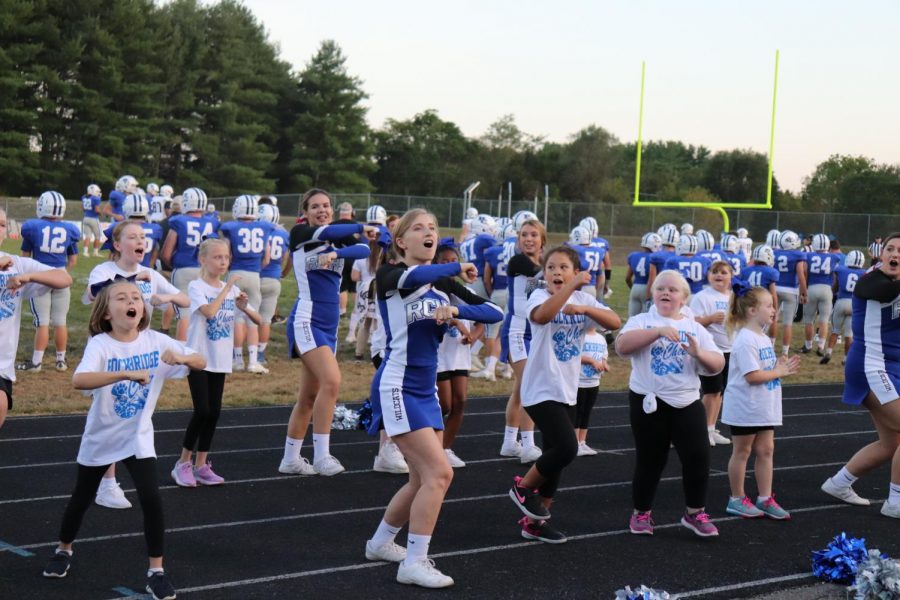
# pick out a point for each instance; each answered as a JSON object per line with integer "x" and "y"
{"x": 745, "y": 404}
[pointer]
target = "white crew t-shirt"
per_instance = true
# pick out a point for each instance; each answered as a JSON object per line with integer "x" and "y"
{"x": 595, "y": 346}
{"x": 11, "y": 309}
{"x": 708, "y": 302}
{"x": 119, "y": 421}
{"x": 109, "y": 270}
{"x": 213, "y": 338}
{"x": 554, "y": 359}
{"x": 453, "y": 355}
{"x": 663, "y": 367}
{"x": 745, "y": 404}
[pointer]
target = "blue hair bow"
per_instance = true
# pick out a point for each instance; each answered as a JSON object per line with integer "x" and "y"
{"x": 740, "y": 287}
{"x": 97, "y": 287}
{"x": 447, "y": 242}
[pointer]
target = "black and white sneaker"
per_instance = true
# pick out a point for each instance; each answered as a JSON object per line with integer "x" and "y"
{"x": 28, "y": 367}
{"x": 541, "y": 531}
{"x": 58, "y": 566}
{"x": 528, "y": 501}
{"x": 160, "y": 587}
{"x": 805, "y": 350}
{"x": 825, "y": 359}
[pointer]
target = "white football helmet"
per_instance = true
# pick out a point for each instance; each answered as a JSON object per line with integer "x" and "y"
{"x": 856, "y": 259}
{"x": 502, "y": 222}
{"x": 687, "y": 244}
{"x": 51, "y": 204}
{"x": 687, "y": 229}
{"x": 166, "y": 191}
{"x": 664, "y": 227}
{"x": 484, "y": 224}
{"x": 194, "y": 199}
{"x": 94, "y": 190}
{"x": 126, "y": 184}
{"x": 376, "y": 214}
{"x": 730, "y": 244}
{"x": 471, "y": 212}
{"x": 210, "y": 208}
{"x": 152, "y": 189}
{"x": 580, "y": 236}
{"x": 820, "y": 243}
{"x": 590, "y": 223}
{"x": 651, "y": 241}
{"x": 522, "y": 216}
{"x": 772, "y": 238}
{"x": 269, "y": 212}
{"x": 763, "y": 254}
{"x": 669, "y": 236}
{"x": 705, "y": 240}
{"x": 246, "y": 206}
{"x": 742, "y": 232}
{"x": 788, "y": 240}
{"x": 136, "y": 206}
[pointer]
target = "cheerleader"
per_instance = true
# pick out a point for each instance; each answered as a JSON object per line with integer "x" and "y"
{"x": 318, "y": 251}
{"x": 873, "y": 377}
{"x": 413, "y": 299}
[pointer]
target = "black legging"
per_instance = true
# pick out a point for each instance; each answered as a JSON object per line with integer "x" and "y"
{"x": 585, "y": 404}
{"x": 143, "y": 472}
{"x": 206, "y": 394}
{"x": 685, "y": 428}
{"x": 554, "y": 419}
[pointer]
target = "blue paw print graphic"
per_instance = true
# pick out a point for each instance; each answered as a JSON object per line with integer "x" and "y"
{"x": 129, "y": 397}
{"x": 453, "y": 332}
{"x": 218, "y": 328}
{"x": 667, "y": 359}
{"x": 7, "y": 303}
{"x": 564, "y": 347}
{"x": 588, "y": 371}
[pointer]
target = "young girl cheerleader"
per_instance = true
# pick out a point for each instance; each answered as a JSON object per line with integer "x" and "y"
{"x": 753, "y": 400}
{"x": 550, "y": 383}
{"x": 710, "y": 305}
{"x": 668, "y": 350}
{"x": 523, "y": 277}
{"x": 214, "y": 307}
{"x": 454, "y": 362}
{"x": 318, "y": 251}
{"x": 363, "y": 273}
{"x": 873, "y": 377}
{"x": 129, "y": 248}
{"x": 20, "y": 279}
{"x": 414, "y": 300}
{"x": 124, "y": 365}
{"x": 594, "y": 352}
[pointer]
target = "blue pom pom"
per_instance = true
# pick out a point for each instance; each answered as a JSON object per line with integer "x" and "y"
{"x": 364, "y": 416}
{"x": 840, "y": 561}
{"x": 641, "y": 593}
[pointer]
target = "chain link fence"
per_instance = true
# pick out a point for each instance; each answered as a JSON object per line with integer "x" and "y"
{"x": 614, "y": 219}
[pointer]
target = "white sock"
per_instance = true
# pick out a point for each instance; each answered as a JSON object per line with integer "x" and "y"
{"x": 844, "y": 478}
{"x": 153, "y": 570}
{"x": 510, "y": 434}
{"x": 292, "y": 449}
{"x": 710, "y": 428}
{"x": 251, "y": 354}
{"x": 490, "y": 364}
{"x": 108, "y": 482}
{"x": 762, "y": 498}
{"x": 416, "y": 548}
{"x": 807, "y": 344}
{"x": 238, "y": 355}
{"x": 527, "y": 438}
{"x": 894, "y": 496}
{"x": 478, "y": 345}
{"x": 262, "y": 346}
{"x": 37, "y": 357}
{"x": 828, "y": 351}
{"x": 384, "y": 534}
{"x": 61, "y": 356}
{"x": 785, "y": 349}
{"x": 321, "y": 445}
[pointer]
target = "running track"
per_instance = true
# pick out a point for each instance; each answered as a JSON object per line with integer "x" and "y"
{"x": 265, "y": 535}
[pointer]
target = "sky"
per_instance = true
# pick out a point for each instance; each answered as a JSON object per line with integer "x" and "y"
{"x": 561, "y": 66}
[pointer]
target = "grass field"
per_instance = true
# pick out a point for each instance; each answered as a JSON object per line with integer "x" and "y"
{"x": 50, "y": 392}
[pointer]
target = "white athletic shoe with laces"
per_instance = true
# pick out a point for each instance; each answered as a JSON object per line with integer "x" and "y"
{"x": 717, "y": 439}
{"x": 112, "y": 497}
{"x": 844, "y": 493}
{"x": 513, "y": 448}
{"x": 328, "y": 466}
{"x": 455, "y": 461}
{"x": 484, "y": 374}
{"x": 390, "y": 460}
{"x": 585, "y": 450}
{"x": 257, "y": 368}
{"x": 530, "y": 454}
{"x": 389, "y": 552}
{"x": 423, "y": 573}
{"x": 296, "y": 467}
{"x": 891, "y": 509}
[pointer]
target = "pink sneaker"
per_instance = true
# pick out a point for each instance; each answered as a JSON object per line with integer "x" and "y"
{"x": 700, "y": 524}
{"x": 641, "y": 523}
{"x": 183, "y": 474}
{"x": 206, "y": 476}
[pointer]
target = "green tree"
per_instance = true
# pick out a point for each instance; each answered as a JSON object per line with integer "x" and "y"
{"x": 738, "y": 176}
{"x": 330, "y": 142}
{"x": 588, "y": 161}
{"x": 821, "y": 190}
{"x": 874, "y": 191}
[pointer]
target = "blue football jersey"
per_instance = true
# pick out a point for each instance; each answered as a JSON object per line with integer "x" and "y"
{"x": 191, "y": 232}
{"x": 694, "y": 269}
{"x": 640, "y": 266}
{"x": 116, "y": 202}
{"x": 278, "y": 244}
{"x": 248, "y": 243}
{"x": 786, "y": 263}
{"x": 760, "y": 275}
{"x": 50, "y": 242}
{"x": 821, "y": 267}
{"x": 493, "y": 256}
{"x": 847, "y": 278}
{"x": 90, "y": 204}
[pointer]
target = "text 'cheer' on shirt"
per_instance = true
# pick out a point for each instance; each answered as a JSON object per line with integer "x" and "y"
{"x": 11, "y": 309}
{"x": 751, "y": 405}
{"x": 119, "y": 421}
{"x": 213, "y": 338}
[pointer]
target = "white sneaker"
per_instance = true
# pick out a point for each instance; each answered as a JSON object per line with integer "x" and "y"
{"x": 608, "y": 293}
{"x": 328, "y": 466}
{"x": 112, "y": 497}
{"x": 423, "y": 573}
{"x": 506, "y": 371}
{"x": 717, "y": 439}
{"x": 530, "y": 454}
{"x": 390, "y": 460}
{"x": 585, "y": 450}
{"x": 891, "y": 509}
{"x": 350, "y": 339}
{"x": 258, "y": 369}
{"x": 844, "y": 493}
{"x": 389, "y": 552}
{"x": 96, "y": 254}
{"x": 477, "y": 365}
{"x": 296, "y": 467}
{"x": 455, "y": 461}
{"x": 237, "y": 365}
{"x": 86, "y": 253}
{"x": 484, "y": 374}
{"x": 513, "y": 448}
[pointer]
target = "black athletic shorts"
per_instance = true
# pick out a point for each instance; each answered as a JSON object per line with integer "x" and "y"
{"x": 448, "y": 375}
{"x": 750, "y": 430}
{"x": 6, "y": 386}
{"x": 716, "y": 384}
